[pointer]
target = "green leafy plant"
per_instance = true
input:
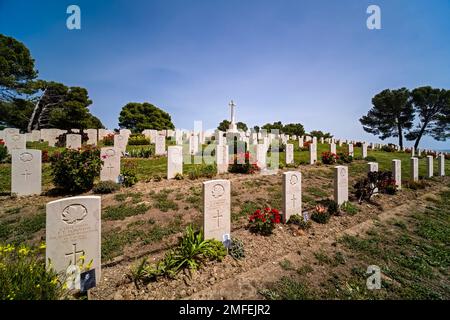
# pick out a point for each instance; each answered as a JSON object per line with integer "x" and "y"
{"x": 3, "y": 151}
{"x": 263, "y": 221}
{"x": 299, "y": 221}
{"x": 236, "y": 249}
{"x": 192, "y": 251}
{"x": 200, "y": 171}
{"x": 129, "y": 177}
{"x": 75, "y": 170}
{"x": 349, "y": 208}
{"x": 320, "y": 215}
{"x": 108, "y": 140}
{"x": 138, "y": 140}
{"x": 329, "y": 157}
{"x": 241, "y": 164}
{"x": 381, "y": 180}
{"x": 344, "y": 157}
{"x": 141, "y": 152}
{"x": 179, "y": 176}
{"x": 24, "y": 276}
{"x": 104, "y": 187}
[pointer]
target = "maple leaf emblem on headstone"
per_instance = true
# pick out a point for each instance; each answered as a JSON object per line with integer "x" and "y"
{"x": 74, "y": 213}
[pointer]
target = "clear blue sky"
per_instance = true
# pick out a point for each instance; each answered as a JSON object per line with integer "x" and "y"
{"x": 313, "y": 62}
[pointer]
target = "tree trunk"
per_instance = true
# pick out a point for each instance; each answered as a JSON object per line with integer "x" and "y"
{"x": 425, "y": 124}
{"x": 400, "y": 136}
{"x": 33, "y": 115}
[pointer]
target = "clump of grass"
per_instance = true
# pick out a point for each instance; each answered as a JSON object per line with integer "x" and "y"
{"x": 162, "y": 201}
{"x": 122, "y": 211}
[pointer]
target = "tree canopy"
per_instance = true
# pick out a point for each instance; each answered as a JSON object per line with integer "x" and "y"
{"x": 224, "y": 125}
{"x": 17, "y": 70}
{"x": 319, "y": 134}
{"x": 392, "y": 113}
{"x": 433, "y": 110}
{"x": 241, "y": 126}
{"x": 140, "y": 116}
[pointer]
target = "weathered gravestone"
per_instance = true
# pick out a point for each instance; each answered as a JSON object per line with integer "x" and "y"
{"x": 222, "y": 158}
{"x": 216, "y": 209}
{"x": 160, "y": 145}
{"x": 120, "y": 142}
{"x": 333, "y": 147}
{"x": 26, "y": 172}
{"x": 289, "y": 153}
{"x": 292, "y": 194}
{"x": 429, "y": 166}
{"x": 340, "y": 184}
{"x": 364, "y": 150}
{"x": 174, "y": 161}
{"x": 92, "y": 136}
{"x": 397, "y": 173}
{"x": 441, "y": 165}
{"x": 73, "y": 141}
{"x": 414, "y": 173}
{"x": 73, "y": 230}
{"x": 373, "y": 167}
{"x": 350, "y": 150}
{"x": 15, "y": 141}
{"x": 312, "y": 153}
{"x": 111, "y": 164}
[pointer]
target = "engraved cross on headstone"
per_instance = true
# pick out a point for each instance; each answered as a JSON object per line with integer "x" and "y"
{"x": 110, "y": 167}
{"x": 293, "y": 200}
{"x": 26, "y": 174}
{"x": 73, "y": 254}
{"x": 218, "y": 216}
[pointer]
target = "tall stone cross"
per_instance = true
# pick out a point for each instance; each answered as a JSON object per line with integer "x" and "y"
{"x": 232, "y": 105}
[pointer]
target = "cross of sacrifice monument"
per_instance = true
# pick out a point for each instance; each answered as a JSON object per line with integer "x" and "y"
{"x": 233, "y": 126}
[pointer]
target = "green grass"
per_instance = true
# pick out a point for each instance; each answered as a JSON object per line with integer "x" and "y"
{"x": 19, "y": 229}
{"x": 247, "y": 208}
{"x": 412, "y": 253}
{"x": 114, "y": 241}
{"x": 135, "y": 196}
{"x": 317, "y": 192}
{"x": 122, "y": 211}
{"x": 162, "y": 202}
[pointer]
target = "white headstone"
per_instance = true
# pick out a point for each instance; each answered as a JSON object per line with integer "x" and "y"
{"x": 73, "y": 141}
{"x": 414, "y": 169}
{"x": 222, "y": 158}
{"x": 261, "y": 160}
{"x": 441, "y": 165}
{"x": 111, "y": 164}
{"x": 92, "y": 136}
{"x": 350, "y": 150}
{"x": 73, "y": 229}
{"x": 429, "y": 166}
{"x": 397, "y": 172}
{"x": 364, "y": 150}
{"x": 300, "y": 142}
{"x": 15, "y": 141}
{"x": 373, "y": 167}
{"x": 292, "y": 194}
{"x": 160, "y": 145}
{"x": 333, "y": 147}
{"x": 312, "y": 153}
{"x": 174, "y": 161}
{"x": 26, "y": 172}
{"x": 216, "y": 209}
{"x": 120, "y": 142}
{"x": 289, "y": 153}
{"x": 340, "y": 184}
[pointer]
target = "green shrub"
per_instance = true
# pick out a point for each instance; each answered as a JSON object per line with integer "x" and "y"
{"x": 241, "y": 164}
{"x": 192, "y": 251}
{"x": 179, "y": 176}
{"x": 320, "y": 215}
{"x": 3, "y": 151}
{"x": 24, "y": 276}
{"x": 381, "y": 180}
{"x": 138, "y": 140}
{"x": 349, "y": 208}
{"x": 237, "y": 249}
{"x": 141, "y": 152}
{"x": 344, "y": 157}
{"x": 263, "y": 221}
{"x": 75, "y": 170}
{"x": 108, "y": 140}
{"x": 205, "y": 171}
{"x": 104, "y": 187}
{"x": 299, "y": 221}
{"x": 128, "y": 176}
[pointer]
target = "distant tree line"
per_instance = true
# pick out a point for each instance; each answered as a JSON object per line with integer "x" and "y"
{"x": 409, "y": 114}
